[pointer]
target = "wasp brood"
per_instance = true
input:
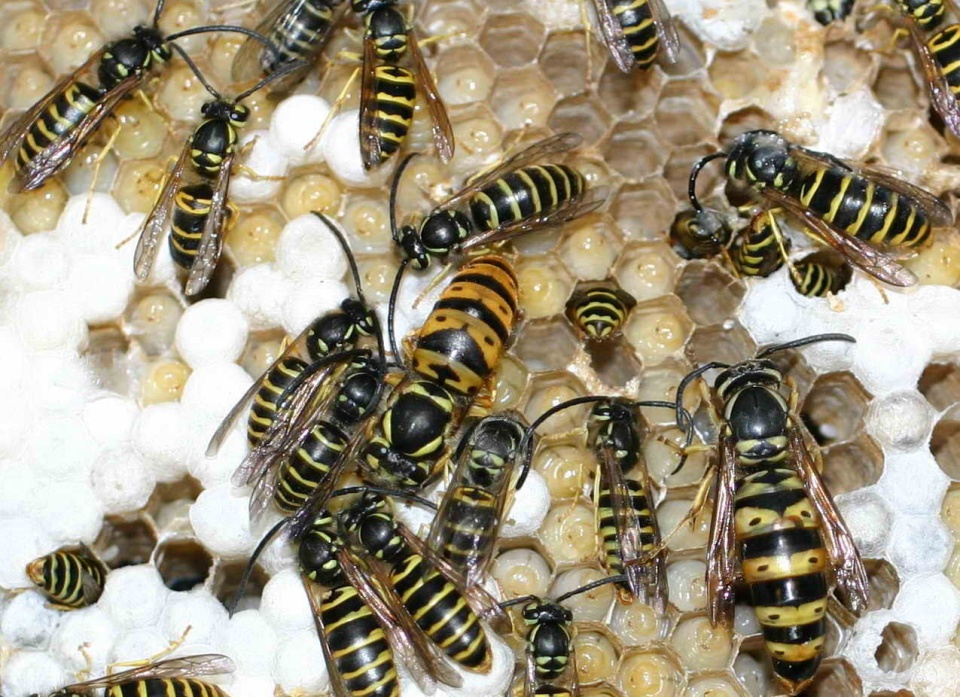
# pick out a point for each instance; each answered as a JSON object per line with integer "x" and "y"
{"x": 598, "y": 310}
{"x": 70, "y": 580}
{"x": 774, "y": 522}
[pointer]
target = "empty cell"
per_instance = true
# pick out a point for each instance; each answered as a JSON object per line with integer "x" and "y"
{"x": 852, "y": 465}
{"x": 898, "y": 648}
{"x": 183, "y": 564}
{"x": 636, "y": 149}
{"x": 945, "y": 443}
{"x": 728, "y": 343}
{"x": 582, "y": 115}
{"x": 512, "y": 39}
{"x": 126, "y": 541}
{"x": 940, "y": 384}
{"x": 226, "y": 583}
{"x": 686, "y": 113}
{"x": 635, "y": 94}
{"x": 836, "y": 677}
{"x": 710, "y": 293}
{"x": 884, "y": 583}
{"x": 523, "y": 98}
{"x": 546, "y": 345}
{"x": 834, "y": 407}
{"x": 564, "y": 62}
{"x": 464, "y": 74}
{"x": 644, "y": 211}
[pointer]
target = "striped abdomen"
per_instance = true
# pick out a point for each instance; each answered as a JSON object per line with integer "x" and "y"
{"x": 869, "y": 211}
{"x": 607, "y": 523}
{"x": 67, "y": 579}
{"x": 783, "y": 561}
{"x": 599, "y": 312}
{"x": 396, "y": 96}
{"x": 165, "y": 687}
{"x": 309, "y": 465}
{"x": 463, "y": 339}
{"x": 442, "y": 612}
{"x": 525, "y": 193}
{"x": 358, "y": 645}
{"x": 639, "y": 28}
{"x": 945, "y": 47}
{"x": 817, "y": 279}
{"x": 191, "y": 206}
{"x": 65, "y": 112}
{"x": 264, "y": 408}
{"x": 758, "y": 252}
{"x": 298, "y": 34}
{"x": 464, "y": 535}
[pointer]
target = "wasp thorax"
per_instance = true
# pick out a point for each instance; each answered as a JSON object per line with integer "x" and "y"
{"x": 357, "y": 397}
{"x": 752, "y": 372}
{"x": 377, "y": 533}
{"x": 927, "y": 13}
{"x": 762, "y": 158}
{"x": 443, "y": 232}
{"x": 361, "y": 6}
{"x": 317, "y": 558}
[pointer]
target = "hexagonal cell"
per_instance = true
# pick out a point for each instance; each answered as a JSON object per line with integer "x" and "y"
{"x": 743, "y": 120}
{"x": 564, "y": 61}
{"x": 253, "y": 237}
{"x": 635, "y": 149}
{"x": 444, "y": 17}
{"x": 512, "y": 39}
{"x": 152, "y": 322}
{"x": 226, "y": 582}
{"x": 691, "y": 57}
{"x": 677, "y": 169}
{"x": 549, "y": 390}
{"x": 940, "y": 384}
{"x": 589, "y": 247}
{"x": 596, "y": 656}
{"x": 646, "y": 271}
{"x": 884, "y": 583}
{"x": 69, "y": 38}
{"x": 183, "y": 564}
{"x": 898, "y": 648}
{"x": 775, "y": 47}
{"x": 478, "y": 135}
{"x": 720, "y": 343}
{"x": 714, "y": 686}
{"x": 569, "y": 533}
{"x": 126, "y": 541}
{"x": 686, "y": 113}
{"x": 710, "y": 292}
{"x": 511, "y": 382}
{"x": 79, "y": 175}
{"x": 522, "y": 571}
{"x": 845, "y": 66}
{"x": 660, "y": 383}
{"x": 23, "y": 83}
{"x": 833, "y": 409}
{"x": 701, "y": 646}
{"x": 565, "y": 468}
{"x": 580, "y": 114}
{"x": 163, "y": 381}
{"x": 591, "y": 605}
{"x": 137, "y": 185}
{"x": 545, "y": 286}
{"x": 464, "y": 74}
{"x": 107, "y": 356}
{"x": 22, "y": 26}
{"x": 835, "y": 677}
{"x": 658, "y": 329}
{"x": 546, "y": 345}
{"x": 636, "y": 93}
{"x": 945, "y": 443}
{"x": 736, "y": 75}
{"x": 641, "y": 670}
{"x": 644, "y": 211}
{"x": 851, "y": 466}
{"x": 523, "y": 98}
{"x": 895, "y": 88}
{"x": 369, "y": 221}
{"x": 614, "y": 364}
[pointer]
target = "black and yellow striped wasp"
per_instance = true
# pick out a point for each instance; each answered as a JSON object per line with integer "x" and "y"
{"x": 466, "y": 528}
{"x": 299, "y": 29}
{"x": 306, "y": 414}
{"x": 197, "y": 213}
{"x": 70, "y": 579}
{"x": 513, "y": 198}
{"x": 598, "y": 311}
{"x": 828, "y": 11}
{"x": 636, "y": 32}
{"x": 863, "y": 213}
{"x": 173, "y": 677}
{"x": 622, "y": 493}
{"x": 774, "y": 523}
{"x": 44, "y": 139}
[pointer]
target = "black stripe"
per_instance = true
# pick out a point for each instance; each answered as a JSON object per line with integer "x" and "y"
{"x": 777, "y": 501}
{"x": 780, "y": 543}
{"x": 795, "y": 591}
{"x": 489, "y": 282}
{"x": 795, "y": 634}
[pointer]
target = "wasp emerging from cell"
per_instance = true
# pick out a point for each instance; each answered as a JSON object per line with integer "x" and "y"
{"x": 513, "y": 198}
{"x": 863, "y": 213}
{"x": 173, "y": 677}
{"x": 198, "y": 213}
{"x": 45, "y": 138}
{"x": 622, "y": 494}
{"x": 636, "y": 32}
{"x": 598, "y": 311}
{"x": 70, "y": 579}
{"x": 774, "y": 523}
{"x": 299, "y": 29}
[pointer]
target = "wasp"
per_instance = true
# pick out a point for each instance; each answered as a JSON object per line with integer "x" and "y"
{"x": 197, "y": 213}
{"x": 699, "y": 234}
{"x": 550, "y": 665}
{"x": 817, "y": 276}
{"x": 622, "y": 494}
{"x": 513, "y": 198}
{"x": 636, "y": 31}
{"x": 758, "y": 249}
{"x": 46, "y": 137}
{"x": 466, "y": 527}
{"x": 299, "y": 29}
{"x": 447, "y": 610}
{"x": 598, "y": 310}
{"x": 70, "y": 580}
{"x": 774, "y": 522}
{"x": 388, "y": 89}
{"x": 860, "y": 212}
{"x": 173, "y": 677}
{"x": 829, "y": 11}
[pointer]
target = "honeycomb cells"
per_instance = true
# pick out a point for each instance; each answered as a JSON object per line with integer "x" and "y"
{"x": 505, "y": 73}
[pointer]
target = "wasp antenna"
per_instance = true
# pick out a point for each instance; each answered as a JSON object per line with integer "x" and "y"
{"x": 351, "y": 260}
{"x": 797, "y": 343}
{"x": 272, "y": 77}
{"x": 196, "y": 71}
{"x": 245, "y": 579}
{"x": 381, "y": 491}
{"x": 230, "y": 28}
{"x": 391, "y": 312}
{"x": 619, "y": 578}
{"x": 516, "y": 601}
{"x": 157, "y": 11}
{"x": 394, "y": 188}
{"x": 694, "y": 173}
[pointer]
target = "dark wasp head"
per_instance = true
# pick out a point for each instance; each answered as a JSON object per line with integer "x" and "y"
{"x": 762, "y": 159}
{"x": 318, "y": 550}
{"x": 699, "y": 234}
{"x": 412, "y": 247}
{"x": 225, "y": 110}
{"x": 751, "y": 372}
{"x": 539, "y": 612}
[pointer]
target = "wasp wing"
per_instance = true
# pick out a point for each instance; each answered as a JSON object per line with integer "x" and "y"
{"x": 613, "y": 36}
{"x": 559, "y": 143}
{"x": 943, "y": 99}
{"x": 171, "y": 668}
{"x": 666, "y": 30}
{"x": 314, "y": 591}
{"x": 721, "y": 546}
{"x": 158, "y": 221}
{"x": 442, "y": 130}
{"x": 370, "y": 145}
{"x": 211, "y": 242}
{"x": 848, "y": 570}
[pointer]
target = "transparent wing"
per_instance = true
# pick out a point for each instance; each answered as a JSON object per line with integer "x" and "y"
{"x": 529, "y": 673}
{"x": 281, "y": 20}
{"x": 559, "y": 143}
{"x": 370, "y": 150}
{"x": 442, "y": 130}
{"x": 858, "y": 253}
{"x": 172, "y": 668}
{"x": 943, "y": 99}
{"x": 57, "y": 154}
{"x": 314, "y": 593}
{"x": 158, "y": 220}
{"x": 613, "y": 36}
{"x": 721, "y": 546}
{"x": 211, "y": 242}
{"x": 666, "y": 30}
{"x": 848, "y": 571}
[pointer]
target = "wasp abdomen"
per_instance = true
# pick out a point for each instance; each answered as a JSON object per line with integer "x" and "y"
{"x": 264, "y": 407}
{"x": 524, "y": 193}
{"x": 639, "y": 28}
